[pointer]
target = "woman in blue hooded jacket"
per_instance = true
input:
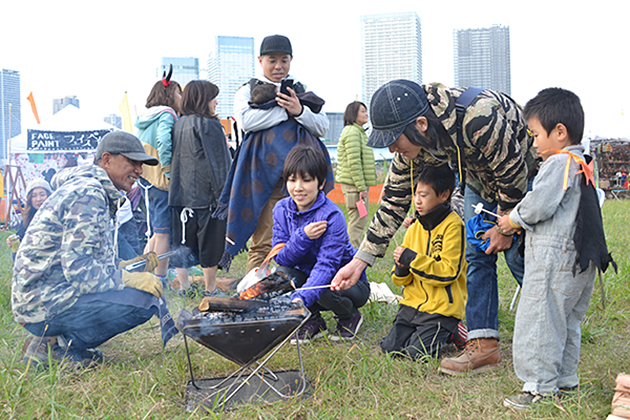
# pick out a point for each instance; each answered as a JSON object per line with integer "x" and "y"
{"x": 314, "y": 232}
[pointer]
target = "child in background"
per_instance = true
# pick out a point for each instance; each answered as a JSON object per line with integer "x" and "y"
{"x": 201, "y": 161}
{"x": 154, "y": 131}
{"x": 314, "y": 232}
{"x": 431, "y": 266}
{"x": 37, "y": 191}
{"x": 564, "y": 243}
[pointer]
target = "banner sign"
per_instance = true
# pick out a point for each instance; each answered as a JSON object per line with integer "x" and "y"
{"x": 55, "y": 141}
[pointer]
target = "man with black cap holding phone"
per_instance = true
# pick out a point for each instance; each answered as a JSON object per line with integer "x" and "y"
{"x": 496, "y": 160}
{"x": 276, "y": 54}
{"x": 67, "y": 290}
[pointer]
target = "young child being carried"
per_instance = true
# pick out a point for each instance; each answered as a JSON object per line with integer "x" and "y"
{"x": 564, "y": 243}
{"x": 314, "y": 232}
{"x": 431, "y": 266}
{"x": 264, "y": 96}
{"x": 263, "y": 93}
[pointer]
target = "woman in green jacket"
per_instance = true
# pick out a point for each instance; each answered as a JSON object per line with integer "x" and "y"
{"x": 355, "y": 167}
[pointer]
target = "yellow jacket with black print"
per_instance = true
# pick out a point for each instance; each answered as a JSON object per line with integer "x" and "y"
{"x": 433, "y": 265}
{"x": 498, "y": 157}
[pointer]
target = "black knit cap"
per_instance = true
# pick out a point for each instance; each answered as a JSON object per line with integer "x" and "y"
{"x": 276, "y": 43}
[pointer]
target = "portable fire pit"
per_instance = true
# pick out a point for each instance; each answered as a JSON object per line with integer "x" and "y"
{"x": 248, "y": 333}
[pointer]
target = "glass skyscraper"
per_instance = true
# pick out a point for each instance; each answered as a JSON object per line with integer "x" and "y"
{"x": 482, "y": 58}
{"x": 391, "y": 48}
{"x": 61, "y": 103}
{"x": 185, "y": 69}
{"x": 10, "y": 112}
{"x": 230, "y": 65}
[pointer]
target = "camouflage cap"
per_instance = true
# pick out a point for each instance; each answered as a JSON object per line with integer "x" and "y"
{"x": 126, "y": 144}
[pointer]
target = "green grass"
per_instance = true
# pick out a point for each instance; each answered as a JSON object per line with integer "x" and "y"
{"x": 351, "y": 380}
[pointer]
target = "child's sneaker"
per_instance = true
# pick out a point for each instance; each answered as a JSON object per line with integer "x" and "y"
{"x": 195, "y": 290}
{"x": 214, "y": 293}
{"x": 348, "y": 328}
{"x": 524, "y": 400}
{"x": 312, "y": 329}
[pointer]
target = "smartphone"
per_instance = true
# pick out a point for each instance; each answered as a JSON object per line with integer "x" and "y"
{"x": 284, "y": 84}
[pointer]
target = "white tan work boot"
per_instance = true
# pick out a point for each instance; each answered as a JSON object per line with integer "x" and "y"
{"x": 621, "y": 399}
{"x": 480, "y": 355}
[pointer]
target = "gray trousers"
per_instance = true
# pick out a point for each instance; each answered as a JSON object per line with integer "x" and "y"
{"x": 553, "y": 302}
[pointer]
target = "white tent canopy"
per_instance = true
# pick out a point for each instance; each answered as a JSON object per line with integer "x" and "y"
{"x": 68, "y": 119}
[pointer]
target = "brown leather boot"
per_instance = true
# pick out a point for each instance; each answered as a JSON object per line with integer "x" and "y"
{"x": 621, "y": 399}
{"x": 480, "y": 355}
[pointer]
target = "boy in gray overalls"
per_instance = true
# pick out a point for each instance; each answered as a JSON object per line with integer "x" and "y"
{"x": 564, "y": 243}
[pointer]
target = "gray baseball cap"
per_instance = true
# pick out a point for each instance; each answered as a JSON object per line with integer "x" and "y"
{"x": 395, "y": 105}
{"x": 126, "y": 144}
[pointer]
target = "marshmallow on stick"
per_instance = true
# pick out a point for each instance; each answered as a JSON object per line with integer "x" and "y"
{"x": 479, "y": 208}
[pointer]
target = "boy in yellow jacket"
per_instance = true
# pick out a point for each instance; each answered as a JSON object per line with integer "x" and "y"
{"x": 431, "y": 266}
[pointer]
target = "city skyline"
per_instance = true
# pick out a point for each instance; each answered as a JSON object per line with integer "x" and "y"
{"x": 584, "y": 40}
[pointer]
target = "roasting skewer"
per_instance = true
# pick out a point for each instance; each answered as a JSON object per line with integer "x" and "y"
{"x": 479, "y": 208}
{"x": 142, "y": 263}
{"x": 325, "y": 286}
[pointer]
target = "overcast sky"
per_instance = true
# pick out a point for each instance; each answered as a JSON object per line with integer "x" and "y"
{"x": 98, "y": 50}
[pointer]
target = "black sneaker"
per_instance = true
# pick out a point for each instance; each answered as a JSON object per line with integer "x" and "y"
{"x": 525, "y": 400}
{"x": 314, "y": 328}
{"x": 568, "y": 391}
{"x": 348, "y": 328}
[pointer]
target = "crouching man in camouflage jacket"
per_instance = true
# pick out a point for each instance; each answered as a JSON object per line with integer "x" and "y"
{"x": 67, "y": 290}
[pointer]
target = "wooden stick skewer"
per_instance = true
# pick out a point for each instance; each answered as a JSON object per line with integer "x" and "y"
{"x": 325, "y": 286}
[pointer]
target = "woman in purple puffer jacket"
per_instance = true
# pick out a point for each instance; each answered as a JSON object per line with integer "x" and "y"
{"x": 315, "y": 234}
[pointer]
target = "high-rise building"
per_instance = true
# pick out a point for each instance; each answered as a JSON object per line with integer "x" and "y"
{"x": 482, "y": 58}
{"x": 10, "y": 111}
{"x": 230, "y": 65}
{"x": 59, "y": 104}
{"x": 185, "y": 69}
{"x": 114, "y": 119}
{"x": 391, "y": 48}
{"x": 335, "y": 128}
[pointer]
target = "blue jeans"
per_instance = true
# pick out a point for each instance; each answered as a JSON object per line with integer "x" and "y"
{"x": 482, "y": 307}
{"x": 96, "y": 318}
{"x": 159, "y": 211}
